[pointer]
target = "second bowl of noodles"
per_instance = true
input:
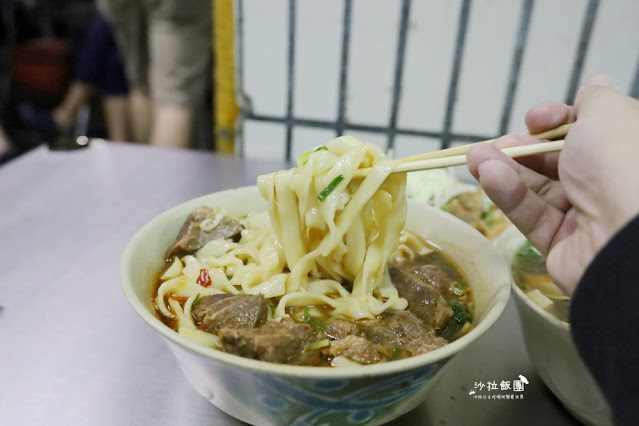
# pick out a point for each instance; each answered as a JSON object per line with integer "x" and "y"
{"x": 543, "y": 310}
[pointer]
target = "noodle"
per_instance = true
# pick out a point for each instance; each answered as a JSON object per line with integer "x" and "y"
{"x": 347, "y": 234}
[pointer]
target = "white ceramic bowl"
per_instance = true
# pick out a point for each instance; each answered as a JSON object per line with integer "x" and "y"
{"x": 263, "y": 393}
{"x": 552, "y": 350}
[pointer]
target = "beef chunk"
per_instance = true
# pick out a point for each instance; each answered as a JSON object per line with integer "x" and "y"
{"x": 378, "y": 332}
{"x": 230, "y": 311}
{"x": 337, "y": 328}
{"x": 414, "y": 336}
{"x": 435, "y": 269}
{"x": 193, "y": 237}
{"x": 282, "y": 342}
{"x": 360, "y": 350}
{"x": 424, "y": 298}
{"x": 395, "y": 328}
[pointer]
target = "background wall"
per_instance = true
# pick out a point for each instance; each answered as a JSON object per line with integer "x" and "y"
{"x": 546, "y": 67}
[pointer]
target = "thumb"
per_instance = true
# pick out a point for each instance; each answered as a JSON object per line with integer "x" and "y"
{"x": 599, "y": 80}
{"x": 594, "y": 87}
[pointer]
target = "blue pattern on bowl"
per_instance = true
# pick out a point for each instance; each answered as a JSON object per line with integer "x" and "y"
{"x": 335, "y": 401}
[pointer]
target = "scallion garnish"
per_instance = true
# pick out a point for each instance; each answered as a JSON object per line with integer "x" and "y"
{"x": 303, "y": 158}
{"x": 457, "y": 288}
{"x": 317, "y": 345}
{"x": 317, "y": 325}
{"x": 397, "y": 352}
{"x": 330, "y": 188}
{"x": 488, "y": 217}
{"x": 306, "y": 316}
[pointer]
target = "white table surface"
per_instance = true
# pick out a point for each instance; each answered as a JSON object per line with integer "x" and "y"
{"x": 72, "y": 352}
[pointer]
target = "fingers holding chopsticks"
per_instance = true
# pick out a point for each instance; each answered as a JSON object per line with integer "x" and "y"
{"x": 537, "y": 172}
{"x": 549, "y": 115}
{"x": 533, "y": 202}
{"x": 545, "y": 164}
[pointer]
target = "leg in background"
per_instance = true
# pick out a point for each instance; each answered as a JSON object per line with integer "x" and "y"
{"x": 115, "y": 95}
{"x": 172, "y": 125}
{"x": 116, "y": 115}
{"x": 140, "y": 116}
{"x": 129, "y": 22}
{"x": 180, "y": 51}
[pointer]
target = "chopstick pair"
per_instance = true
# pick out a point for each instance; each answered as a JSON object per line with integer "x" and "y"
{"x": 456, "y": 156}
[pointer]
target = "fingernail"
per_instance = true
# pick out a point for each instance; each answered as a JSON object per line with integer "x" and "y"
{"x": 600, "y": 80}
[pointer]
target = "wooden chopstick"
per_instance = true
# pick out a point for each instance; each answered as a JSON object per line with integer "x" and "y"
{"x": 456, "y": 156}
{"x": 556, "y": 133}
{"x": 458, "y": 160}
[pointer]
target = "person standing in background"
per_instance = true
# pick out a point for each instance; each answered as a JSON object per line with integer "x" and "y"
{"x": 166, "y": 46}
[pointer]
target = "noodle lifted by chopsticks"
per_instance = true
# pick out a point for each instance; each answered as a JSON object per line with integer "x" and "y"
{"x": 334, "y": 229}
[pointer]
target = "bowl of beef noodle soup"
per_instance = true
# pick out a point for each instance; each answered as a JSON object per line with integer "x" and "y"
{"x": 543, "y": 309}
{"x": 317, "y": 296}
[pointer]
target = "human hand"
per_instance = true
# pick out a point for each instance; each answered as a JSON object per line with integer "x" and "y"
{"x": 569, "y": 204}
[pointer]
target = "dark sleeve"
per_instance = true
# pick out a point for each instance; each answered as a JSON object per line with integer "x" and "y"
{"x": 604, "y": 321}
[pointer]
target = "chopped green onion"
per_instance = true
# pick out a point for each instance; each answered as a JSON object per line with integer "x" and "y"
{"x": 197, "y": 297}
{"x": 306, "y": 316}
{"x": 397, "y": 352}
{"x": 303, "y": 158}
{"x": 317, "y": 345}
{"x": 461, "y": 315}
{"x": 457, "y": 288}
{"x": 528, "y": 261}
{"x": 317, "y": 325}
{"x": 529, "y": 252}
{"x": 488, "y": 217}
{"x": 330, "y": 188}
{"x": 446, "y": 208}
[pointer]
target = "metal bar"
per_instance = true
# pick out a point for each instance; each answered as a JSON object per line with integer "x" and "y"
{"x": 399, "y": 73}
{"x": 343, "y": 70}
{"x": 457, "y": 61}
{"x": 240, "y": 46}
{"x": 515, "y": 68}
{"x": 582, "y": 49}
{"x": 244, "y": 102}
{"x": 634, "y": 88}
{"x": 291, "y": 79}
{"x": 323, "y": 124}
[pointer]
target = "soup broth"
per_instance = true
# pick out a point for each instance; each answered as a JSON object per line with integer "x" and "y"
{"x": 207, "y": 304}
{"x": 530, "y": 274}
